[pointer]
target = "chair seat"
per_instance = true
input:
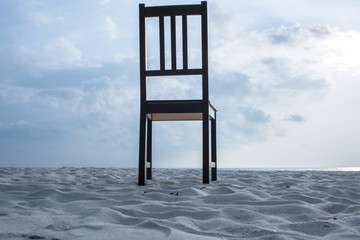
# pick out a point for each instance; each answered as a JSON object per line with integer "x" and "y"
{"x": 175, "y": 116}
{"x": 177, "y": 110}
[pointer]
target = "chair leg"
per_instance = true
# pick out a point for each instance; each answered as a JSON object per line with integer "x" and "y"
{"x": 213, "y": 149}
{"x": 149, "y": 149}
{"x": 142, "y": 142}
{"x": 205, "y": 143}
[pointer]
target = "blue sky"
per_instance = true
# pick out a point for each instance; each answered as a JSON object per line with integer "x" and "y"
{"x": 283, "y": 74}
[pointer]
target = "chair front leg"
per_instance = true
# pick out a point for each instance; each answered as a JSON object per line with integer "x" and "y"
{"x": 142, "y": 142}
{"x": 205, "y": 129}
{"x": 149, "y": 149}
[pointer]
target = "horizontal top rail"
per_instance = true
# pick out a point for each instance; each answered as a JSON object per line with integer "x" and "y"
{"x": 173, "y": 10}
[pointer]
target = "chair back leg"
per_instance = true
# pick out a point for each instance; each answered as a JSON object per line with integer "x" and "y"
{"x": 142, "y": 140}
{"x": 213, "y": 150}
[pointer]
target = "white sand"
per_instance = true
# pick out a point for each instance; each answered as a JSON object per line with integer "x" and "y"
{"x": 93, "y": 203}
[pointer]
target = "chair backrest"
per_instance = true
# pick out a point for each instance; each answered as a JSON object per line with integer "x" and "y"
{"x": 172, "y": 11}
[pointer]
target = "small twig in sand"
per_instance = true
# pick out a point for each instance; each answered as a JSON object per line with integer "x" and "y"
{"x": 36, "y": 237}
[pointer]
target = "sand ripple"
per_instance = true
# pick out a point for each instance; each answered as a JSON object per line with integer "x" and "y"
{"x": 106, "y": 203}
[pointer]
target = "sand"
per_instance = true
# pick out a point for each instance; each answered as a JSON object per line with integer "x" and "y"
{"x": 106, "y": 203}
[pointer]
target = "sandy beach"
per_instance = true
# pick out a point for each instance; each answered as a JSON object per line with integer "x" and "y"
{"x": 106, "y": 203}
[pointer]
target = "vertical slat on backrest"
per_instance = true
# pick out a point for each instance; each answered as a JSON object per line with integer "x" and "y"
{"x": 184, "y": 41}
{"x": 173, "y": 43}
{"x": 162, "y": 43}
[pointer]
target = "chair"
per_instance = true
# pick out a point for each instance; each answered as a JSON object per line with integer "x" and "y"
{"x": 178, "y": 110}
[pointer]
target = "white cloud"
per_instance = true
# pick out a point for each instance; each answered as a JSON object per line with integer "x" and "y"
{"x": 105, "y": 2}
{"x": 280, "y": 70}
{"x": 129, "y": 56}
{"x": 294, "y": 118}
{"x": 60, "y": 53}
{"x": 56, "y": 54}
{"x": 317, "y": 51}
{"x": 44, "y": 18}
{"x": 312, "y": 70}
{"x": 110, "y": 28}
{"x": 100, "y": 110}
{"x": 14, "y": 94}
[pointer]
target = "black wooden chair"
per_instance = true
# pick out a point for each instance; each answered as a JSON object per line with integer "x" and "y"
{"x": 170, "y": 110}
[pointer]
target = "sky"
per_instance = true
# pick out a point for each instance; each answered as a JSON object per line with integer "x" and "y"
{"x": 284, "y": 76}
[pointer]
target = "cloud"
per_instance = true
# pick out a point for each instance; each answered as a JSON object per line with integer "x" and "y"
{"x": 57, "y": 54}
{"x": 102, "y": 110}
{"x": 294, "y": 118}
{"x": 44, "y": 18}
{"x": 110, "y": 28}
{"x": 302, "y": 82}
{"x": 260, "y": 75}
{"x": 64, "y": 50}
{"x": 105, "y": 2}
{"x": 229, "y": 84}
{"x": 318, "y": 52}
{"x": 296, "y": 33}
{"x": 283, "y": 34}
{"x": 255, "y": 115}
{"x": 285, "y": 79}
{"x": 22, "y": 129}
{"x": 320, "y": 30}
